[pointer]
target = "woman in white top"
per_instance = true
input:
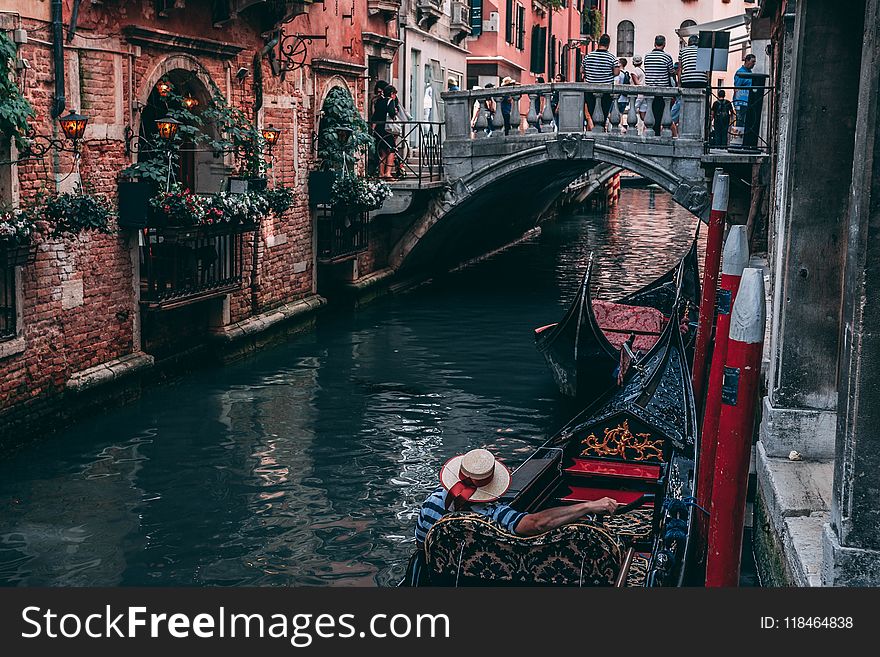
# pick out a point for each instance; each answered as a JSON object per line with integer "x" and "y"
{"x": 637, "y": 77}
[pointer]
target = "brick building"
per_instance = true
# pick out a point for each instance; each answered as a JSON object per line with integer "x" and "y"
{"x": 86, "y": 310}
{"x": 527, "y": 39}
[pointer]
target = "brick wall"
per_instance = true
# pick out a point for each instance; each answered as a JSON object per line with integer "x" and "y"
{"x": 80, "y": 305}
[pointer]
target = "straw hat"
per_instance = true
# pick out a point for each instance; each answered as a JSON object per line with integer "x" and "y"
{"x": 476, "y": 477}
{"x": 507, "y": 81}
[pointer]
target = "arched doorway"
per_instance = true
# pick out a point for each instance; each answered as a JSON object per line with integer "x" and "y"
{"x": 195, "y": 167}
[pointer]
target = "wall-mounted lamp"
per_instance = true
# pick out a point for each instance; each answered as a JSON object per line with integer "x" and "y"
{"x": 343, "y": 135}
{"x": 167, "y": 128}
{"x": 73, "y": 126}
{"x": 271, "y": 135}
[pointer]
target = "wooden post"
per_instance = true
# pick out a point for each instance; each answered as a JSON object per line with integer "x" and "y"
{"x": 720, "y": 196}
{"x": 734, "y": 261}
{"x": 739, "y": 395}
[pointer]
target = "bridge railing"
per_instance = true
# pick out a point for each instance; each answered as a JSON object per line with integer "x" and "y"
{"x": 533, "y": 109}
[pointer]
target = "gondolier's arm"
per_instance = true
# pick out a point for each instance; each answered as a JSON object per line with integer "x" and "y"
{"x": 540, "y": 522}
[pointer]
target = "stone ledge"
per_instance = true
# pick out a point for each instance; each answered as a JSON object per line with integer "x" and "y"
{"x": 796, "y": 498}
{"x": 810, "y": 432}
{"x": 112, "y": 370}
{"x": 848, "y": 566}
{"x": 264, "y": 321}
{"x": 12, "y": 347}
{"x": 371, "y": 280}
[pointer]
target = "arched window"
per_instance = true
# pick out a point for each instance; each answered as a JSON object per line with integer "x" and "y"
{"x": 626, "y": 38}
{"x": 688, "y": 23}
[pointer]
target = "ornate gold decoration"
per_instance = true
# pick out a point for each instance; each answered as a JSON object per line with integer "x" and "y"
{"x": 621, "y": 442}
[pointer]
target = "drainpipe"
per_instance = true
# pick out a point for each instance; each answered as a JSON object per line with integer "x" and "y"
{"x": 58, "y": 101}
{"x": 255, "y": 260}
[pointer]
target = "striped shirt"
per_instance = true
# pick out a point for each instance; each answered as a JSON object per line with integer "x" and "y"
{"x": 599, "y": 67}
{"x": 434, "y": 508}
{"x": 659, "y": 69}
{"x": 687, "y": 59}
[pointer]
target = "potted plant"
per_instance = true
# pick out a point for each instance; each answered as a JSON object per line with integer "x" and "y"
{"x": 280, "y": 199}
{"x": 342, "y": 133}
{"x": 17, "y": 230}
{"x": 359, "y": 194}
{"x": 71, "y": 213}
{"x": 178, "y": 208}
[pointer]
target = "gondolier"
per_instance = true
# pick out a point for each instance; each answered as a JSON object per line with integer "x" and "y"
{"x": 474, "y": 482}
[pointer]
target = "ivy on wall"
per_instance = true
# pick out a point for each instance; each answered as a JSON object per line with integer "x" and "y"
{"x": 15, "y": 110}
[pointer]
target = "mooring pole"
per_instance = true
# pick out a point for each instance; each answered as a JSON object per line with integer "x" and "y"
{"x": 714, "y": 239}
{"x": 733, "y": 262}
{"x": 738, "y": 398}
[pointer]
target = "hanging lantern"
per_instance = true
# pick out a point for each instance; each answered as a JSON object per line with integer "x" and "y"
{"x": 343, "y": 135}
{"x": 73, "y": 125}
{"x": 163, "y": 87}
{"x": 189, "y": 102}
{"x": 271, "y": 135}
{"x": 167, "y": 128}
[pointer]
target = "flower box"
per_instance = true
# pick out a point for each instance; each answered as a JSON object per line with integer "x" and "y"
{"x": 16, "y": 255}
{"x": 134, "y": 204}
{"x": 320, "y": 187}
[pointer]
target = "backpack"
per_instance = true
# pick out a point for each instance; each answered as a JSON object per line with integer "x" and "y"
{"x": 626, "y": 78}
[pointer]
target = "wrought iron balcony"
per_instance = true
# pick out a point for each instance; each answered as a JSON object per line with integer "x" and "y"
{"x": 341, "y": 234}
{"x": 180, "y": 266}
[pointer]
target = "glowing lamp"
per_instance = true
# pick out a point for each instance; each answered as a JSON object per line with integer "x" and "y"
{"x": 163, "y": 87}
{"x": 271, "y": 135}
{"x": 167, "y": 128}
{"x": 73, "y": 125}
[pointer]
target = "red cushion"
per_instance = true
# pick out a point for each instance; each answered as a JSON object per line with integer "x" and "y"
{"x": 606, "y": 468}
{"x": 585, "y": 494}
{"x": 623, "y": 318}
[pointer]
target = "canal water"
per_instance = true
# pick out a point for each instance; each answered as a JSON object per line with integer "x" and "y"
{"x": 306, "y": 464}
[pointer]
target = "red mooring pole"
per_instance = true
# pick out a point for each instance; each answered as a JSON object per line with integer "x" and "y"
{"x": 733, "y": 261}
{"x": 714, "y": 239}
{"x": 738, "y": 398}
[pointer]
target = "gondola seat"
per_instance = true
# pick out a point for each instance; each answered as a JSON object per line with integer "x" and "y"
{"x": 468, "y": 549}
{"x": 618, "y": 320}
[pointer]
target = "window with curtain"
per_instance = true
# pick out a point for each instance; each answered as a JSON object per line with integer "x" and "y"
{"x": 626, "y": 38}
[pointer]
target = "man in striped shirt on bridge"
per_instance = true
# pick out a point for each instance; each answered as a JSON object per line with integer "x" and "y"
{"x": 600, "y": 67}
{"x": 659, "y": 72}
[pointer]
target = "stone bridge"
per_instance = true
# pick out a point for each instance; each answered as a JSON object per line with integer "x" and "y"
{"x": 504, "y": 183}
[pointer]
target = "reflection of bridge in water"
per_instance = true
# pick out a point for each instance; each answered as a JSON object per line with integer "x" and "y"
{"x": 504, "y": 183}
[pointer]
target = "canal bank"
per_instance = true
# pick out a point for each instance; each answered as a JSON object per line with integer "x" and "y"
{"x": 305, "y": 463}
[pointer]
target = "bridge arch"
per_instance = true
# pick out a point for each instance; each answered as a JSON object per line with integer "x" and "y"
{"x": 522, "y": 182}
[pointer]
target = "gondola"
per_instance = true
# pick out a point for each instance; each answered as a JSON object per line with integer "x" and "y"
{"x": 583, "y": 350}
{"x": 636, "y": 444}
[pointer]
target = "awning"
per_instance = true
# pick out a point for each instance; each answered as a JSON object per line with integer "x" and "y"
{"x": 715, "y": 26}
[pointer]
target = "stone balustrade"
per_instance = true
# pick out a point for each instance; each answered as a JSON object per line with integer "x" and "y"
{"x": 532, "y": 111}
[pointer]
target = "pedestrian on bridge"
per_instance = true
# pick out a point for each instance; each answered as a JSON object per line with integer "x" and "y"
{"x": 659, "y": 72}
{"x": 599, "y": 67}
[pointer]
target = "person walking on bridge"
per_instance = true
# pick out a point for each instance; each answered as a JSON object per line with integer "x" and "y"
{"x": 599, "y": 67}
{"x": 659, "y": 72}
